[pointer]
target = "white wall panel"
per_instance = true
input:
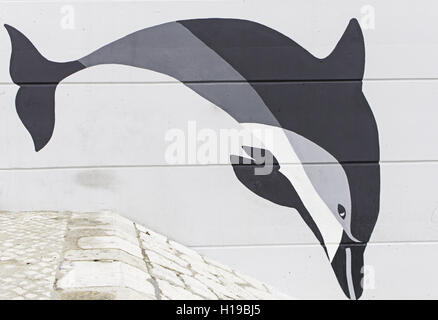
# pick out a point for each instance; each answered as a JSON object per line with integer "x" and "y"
{"x": 393, "y": 271}
{"x": 126, "y": 124}
{"x": 403, "y": 43}
{"x": 208, "y": 206}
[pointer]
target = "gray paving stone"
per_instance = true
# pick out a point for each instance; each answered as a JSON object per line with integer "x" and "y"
{"x": 63, "y": 255}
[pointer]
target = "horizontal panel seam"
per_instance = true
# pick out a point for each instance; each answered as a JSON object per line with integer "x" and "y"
{"x": 196, "y": 165}
{"x": 221, "y": 81}
{"x": 285, "y": 245}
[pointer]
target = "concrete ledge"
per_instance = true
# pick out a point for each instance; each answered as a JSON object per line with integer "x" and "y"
{"x": 105, "y": 256}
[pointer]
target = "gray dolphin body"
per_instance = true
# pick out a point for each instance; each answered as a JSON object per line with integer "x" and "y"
{"x": 173, "y": 50}
{"x": 258, "y": 76}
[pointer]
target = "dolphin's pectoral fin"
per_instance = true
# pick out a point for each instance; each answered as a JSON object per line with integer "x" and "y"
{"x": 274, "y": 187}
{"x": 262, "y": 175}
{"x": 261, "y": 156}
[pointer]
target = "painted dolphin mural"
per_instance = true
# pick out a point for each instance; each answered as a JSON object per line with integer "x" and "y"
{"x": 326, "y": 148}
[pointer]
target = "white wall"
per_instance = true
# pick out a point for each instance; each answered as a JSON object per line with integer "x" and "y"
{"x": 107, "y": 151}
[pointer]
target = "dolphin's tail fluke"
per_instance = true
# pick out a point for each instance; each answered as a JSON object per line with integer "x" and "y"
{"x": 37, "y": 78}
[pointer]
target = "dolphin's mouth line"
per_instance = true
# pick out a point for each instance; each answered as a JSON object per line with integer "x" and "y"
{"x": 350, "y": 235}
{"x": 348, "y": 273}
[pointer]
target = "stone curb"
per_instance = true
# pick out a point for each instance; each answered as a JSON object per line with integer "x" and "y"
{"x": 106, "y": 256}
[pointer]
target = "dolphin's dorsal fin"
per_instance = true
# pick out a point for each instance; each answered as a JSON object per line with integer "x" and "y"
{"x": 348, "y": 57}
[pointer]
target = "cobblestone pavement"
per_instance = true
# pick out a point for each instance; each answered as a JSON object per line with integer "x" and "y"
{"x": 52, "y": 255}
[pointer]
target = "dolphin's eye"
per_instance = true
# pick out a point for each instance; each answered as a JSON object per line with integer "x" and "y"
{"x": 341, "y": 211}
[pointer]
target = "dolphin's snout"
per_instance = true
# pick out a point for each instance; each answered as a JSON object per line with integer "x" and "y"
{"x": 348, "y": 265}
